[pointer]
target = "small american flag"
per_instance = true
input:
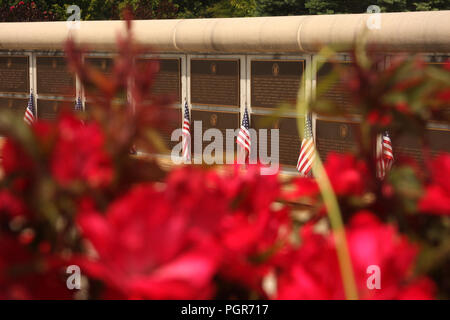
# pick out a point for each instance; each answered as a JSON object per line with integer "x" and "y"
{"x": 243, "y": 138}
{"x": 307, "y": 152}
{"x": 186, "y": 132}
{"x": 78, "y": 105}
{"x": 385, "y": 155}
{"x": 29, "y": 117}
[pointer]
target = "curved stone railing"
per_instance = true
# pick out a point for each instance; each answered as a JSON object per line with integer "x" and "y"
{"x": 411, "y": 32}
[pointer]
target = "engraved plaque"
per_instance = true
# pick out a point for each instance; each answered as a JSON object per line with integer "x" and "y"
{"x": 275, "y": 82}
{"x": 289, "y": 139}
{"x": 446, "y": 112}
{"x": 87, "y": 107}
{"x": 409, "y": 145}
{"x": 14, "y": 74}
{"x": 168, "y": 79}
{"x": 173, "y": 122}
{"x": 215, "y": 82}
{"x": 104, "y": 65}
{"x": 17, "y": 105}
{"x": 215, "y": 119}
{"x": 337, "y": 92}
{"x": 53, "y": 78}
{"x": 48, "y": 109}
{"x": 335, "y": 136}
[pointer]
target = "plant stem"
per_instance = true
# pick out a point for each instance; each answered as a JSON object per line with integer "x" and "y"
{"x": 328, "y": 195}
{"x": 337, "y": 226}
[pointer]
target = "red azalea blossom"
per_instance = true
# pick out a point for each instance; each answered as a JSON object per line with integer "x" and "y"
{"x": 80, "y": 154}
{"x": 250, "y": 243}
{"x": 436, "y": 199}
{"x": 375, "y": 117}
{"x": 232, "y": 215}
{"x": 14, "y": 159}
{"x": 444, "y": 95}
{"x": 313, "y": 271}
{"x": 234, "y": 211}
{"x": 304, "y": 188}
{"x": 24, "y": 275}
{"x": 71, "y": 194}
{"x": 11, "y": 204}
{"x": 252, "y": 190}
{"x": 252, "y": 234}
{"x": 45, "y": 133}
{"x": 346, "y": 173}
{"x": 201, "y": 195}
{"x": 447, "y": 65}
{"x": 145, "y": 250}
{"x": 403, "y": 107}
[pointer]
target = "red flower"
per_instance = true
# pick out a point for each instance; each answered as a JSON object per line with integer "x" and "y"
{"x": 444, "y": 95}
{"x": 250, "y": 243}
{"x": 346, "y": 173}
{"x": 251, "y": 190}
{"x": 373, "y": 117}
{"x": 447, "y": 65}
{"x": 17, "y": 161}
{"x": 437, "y": 195}
{"x": 24, "y": 275}
{"x": 14, "y": 158}
{"x": 145, "y": 250}
{"x": 79, "y": 154}
{"x": 402, "y": 107}
{"x": 201, "y": 195}
{"x": 253, "y": 232}
{"x": 376, "y": 118}
{"x": 303, "y": 188}
{"x": 313, "y": 271}
{"x": 233, "y": 210}
{"x": 11, "y": 204}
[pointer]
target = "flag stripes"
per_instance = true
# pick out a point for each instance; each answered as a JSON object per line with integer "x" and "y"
{"x": 29, "y": 117}
{"x": 186, "y": 134}
{"x": 307, "y": 150}
{"x": 385, "y": 155}
{"x": 243, "y": 138}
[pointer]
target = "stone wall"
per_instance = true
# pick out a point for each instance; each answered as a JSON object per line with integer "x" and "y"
{"x": 220, "y": 66}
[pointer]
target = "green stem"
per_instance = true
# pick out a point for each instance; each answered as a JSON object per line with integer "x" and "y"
{"x": 337, "y": 226}
{"x": 328, "y": 195}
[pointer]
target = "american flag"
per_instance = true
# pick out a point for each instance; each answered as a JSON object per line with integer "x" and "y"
{"x": 29, "y": 117}
{"x": 186, "y": 131}
{"x": 307, "y": 152}
{"x": 78, "y": 105}
{"x": 385, "y": 155}
{"x": 243, "y": 138}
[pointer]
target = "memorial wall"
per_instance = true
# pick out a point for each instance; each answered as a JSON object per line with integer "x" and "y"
{"x": 438, "y": 131}
{"x": 335, "y": 134}
{"x": 14, "y": 82}
{"x": 219, "y": 76}
{"x": 274, "y": 86}
{"x": 217, "y": 89}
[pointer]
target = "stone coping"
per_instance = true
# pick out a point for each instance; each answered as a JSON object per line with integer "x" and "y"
{"x": 399, "y": 32}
